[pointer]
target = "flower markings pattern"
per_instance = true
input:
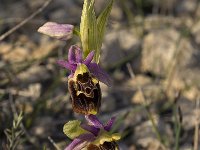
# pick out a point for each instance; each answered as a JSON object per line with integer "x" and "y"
{"x": 96, "y": 136}
{"x": 83, "y": 81}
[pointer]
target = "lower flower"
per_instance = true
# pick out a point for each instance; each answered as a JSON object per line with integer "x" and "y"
{"x": 91, "y": 136}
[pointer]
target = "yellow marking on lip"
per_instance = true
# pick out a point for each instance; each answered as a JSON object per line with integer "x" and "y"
{"x": 94, "y": 80}
{"x": 79, "y": 92}
{"x": 88, "y": 95}
{"x": 105, "y": 136}
{"x": 93, "y": 112}
{"x": 81, "y": 69}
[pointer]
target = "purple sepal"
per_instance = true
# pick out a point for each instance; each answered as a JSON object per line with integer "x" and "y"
{"x": 99, "y": 73}
{"x": 66, "y": 65}
{"x": 109, "y": 124}
{"x": 89, "y": 58}
{"x": 58, "y": 31}
{"x": 94, "y": 121}
{"x": 80, "y": 142}
{"x": 75, "y": 55}
{"x": 91, "y": 129}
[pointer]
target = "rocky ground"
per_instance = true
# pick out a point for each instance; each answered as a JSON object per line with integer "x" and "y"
{"x": 151, "y": 51}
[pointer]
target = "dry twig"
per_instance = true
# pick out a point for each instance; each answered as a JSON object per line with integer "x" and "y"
{"x": 3, "y": 36}
{"x": 54, "y": 144}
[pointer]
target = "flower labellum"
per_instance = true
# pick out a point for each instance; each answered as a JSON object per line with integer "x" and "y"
{"x": 59, "y": 31}
{"x": 85, "y": 91}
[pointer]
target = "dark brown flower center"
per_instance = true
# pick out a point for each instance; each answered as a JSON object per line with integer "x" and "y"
{"x": 85, "y": 84}
{"x": 85, "y": 94}
{"x": 104, "y": 146}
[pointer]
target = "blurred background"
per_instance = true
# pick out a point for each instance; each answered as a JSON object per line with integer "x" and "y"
{"x": 151, "y": 50}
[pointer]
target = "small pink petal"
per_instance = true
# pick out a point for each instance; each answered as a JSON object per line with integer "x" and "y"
{"x": 58, "y": 31}
{"x": 89, "y": 58}
{"x": 109, "y": 124}
{"x": 94, "y": 121}
{"x": 91, "y": 129}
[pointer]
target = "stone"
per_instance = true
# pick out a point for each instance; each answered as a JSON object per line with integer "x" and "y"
{"x": 158, "y": 50}
{"x": 18, "y": 54}
{"x": 65, "y": 12}
{"x": 5, "y": 48}
{"x": 43, "y": 126}
{"x": 118, "y": 44}
{"x": 196, "y": 31}
{"x": 162, "y": 50}
{"x": 174, "y": 59}
{"x": 45, "y": 48}
{"x": 34, "y": 74}
{"x": 186, "y": 7}
{"x": 153, "y": 22}
{"x": 164, "y": 6}
{"x": 151, "y": 93}
{"x": 116, "y": 12}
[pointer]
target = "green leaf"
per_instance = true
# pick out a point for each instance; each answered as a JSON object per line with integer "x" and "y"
{"x": 92, "y": 29}
{"x": 73, "y": 129}
{"x": 101, "y": 26}
{"x": 84, "y": 27}
{"x": 88, "y": 27}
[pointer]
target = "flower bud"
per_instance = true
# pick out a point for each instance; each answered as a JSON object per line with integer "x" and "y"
{"x": 59, "y": 31}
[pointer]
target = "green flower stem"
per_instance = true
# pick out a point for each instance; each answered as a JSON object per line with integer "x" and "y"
{"x": 155, "y": 129}
{"x": 177, "y": 123}
{"x": 76, "y": 32}
{"x": 178, "y": 131}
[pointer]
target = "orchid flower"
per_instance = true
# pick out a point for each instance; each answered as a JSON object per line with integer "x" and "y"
{"x": 91, "y": 136}
{"x": 83, "y": 82}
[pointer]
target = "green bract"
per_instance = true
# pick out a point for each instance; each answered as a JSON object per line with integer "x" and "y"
{"x": 73, "y": 129}
{"x": 92, "y": 28}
